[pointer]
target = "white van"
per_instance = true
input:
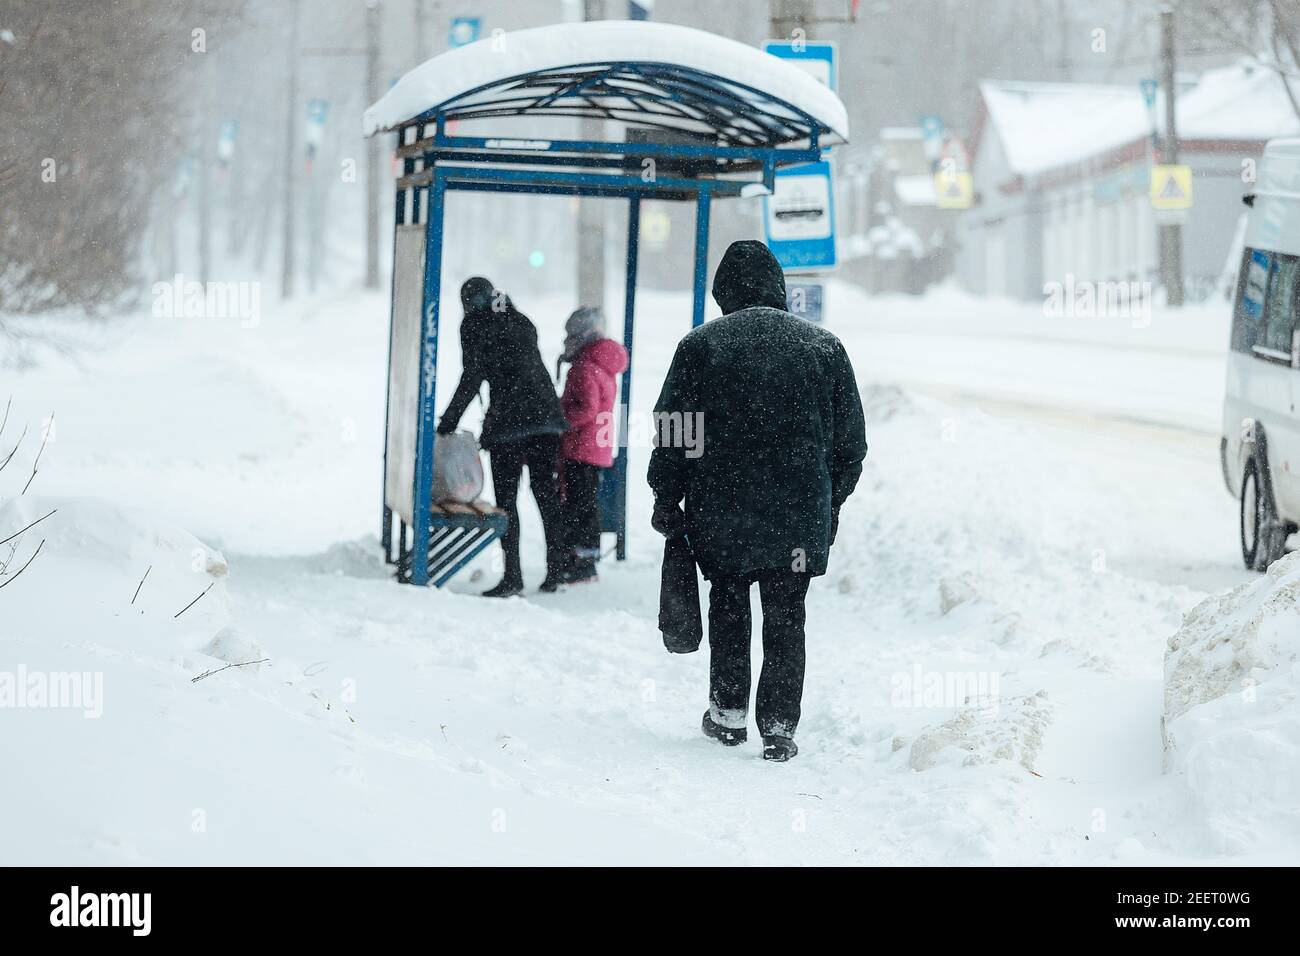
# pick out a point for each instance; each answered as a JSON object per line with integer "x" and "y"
{"x": 1260, "y": 447}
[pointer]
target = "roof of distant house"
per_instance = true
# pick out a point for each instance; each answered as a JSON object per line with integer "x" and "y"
{"x": 1044, "y": 126}
{"x": 900, "y": 132}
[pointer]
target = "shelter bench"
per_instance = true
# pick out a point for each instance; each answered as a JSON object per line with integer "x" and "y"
{"x": 458, "y": 533}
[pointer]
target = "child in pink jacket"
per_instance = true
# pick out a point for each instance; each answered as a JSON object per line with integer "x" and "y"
{"x": 588, "y": 445}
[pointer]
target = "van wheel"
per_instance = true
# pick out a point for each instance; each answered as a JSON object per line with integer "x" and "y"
{"x": 1263, "y": 536}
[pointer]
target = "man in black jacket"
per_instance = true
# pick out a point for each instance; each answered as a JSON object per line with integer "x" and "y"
{"x": 523, "y": 421}
{"x": 784, "y": 439}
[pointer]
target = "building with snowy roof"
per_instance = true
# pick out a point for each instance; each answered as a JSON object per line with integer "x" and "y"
{"x": 1062, "y": 171}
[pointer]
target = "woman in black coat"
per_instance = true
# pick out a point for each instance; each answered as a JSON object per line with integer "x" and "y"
{"x": 523, "y": 423}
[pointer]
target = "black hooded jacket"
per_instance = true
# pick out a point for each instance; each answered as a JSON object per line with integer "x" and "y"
{"x": 499, "y": 345}
{"x": 784, "y": 435}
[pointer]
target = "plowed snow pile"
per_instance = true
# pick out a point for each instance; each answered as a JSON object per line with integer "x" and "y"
{"x": 112, "y": 574}
{"x": 1231, "y": 716}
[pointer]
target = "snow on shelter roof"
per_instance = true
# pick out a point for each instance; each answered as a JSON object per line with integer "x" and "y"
{"x": 642, "y": 73}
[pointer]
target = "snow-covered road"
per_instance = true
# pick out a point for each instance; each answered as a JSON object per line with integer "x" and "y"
{"x": 1040, "y": 505}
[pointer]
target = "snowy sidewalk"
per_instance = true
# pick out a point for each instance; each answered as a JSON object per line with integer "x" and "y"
{"x": 400, "y": 725}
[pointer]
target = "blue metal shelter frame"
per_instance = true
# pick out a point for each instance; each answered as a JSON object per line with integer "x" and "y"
{"x": 710, "y": 137}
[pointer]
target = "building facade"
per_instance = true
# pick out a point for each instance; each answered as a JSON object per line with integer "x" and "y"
{"x": 1062, "y": 180}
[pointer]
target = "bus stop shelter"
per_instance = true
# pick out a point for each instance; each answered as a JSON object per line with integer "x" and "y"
{"x": 689, "y": 116}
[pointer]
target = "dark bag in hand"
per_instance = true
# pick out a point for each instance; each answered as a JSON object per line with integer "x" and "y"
{"x": 679, "y": 598}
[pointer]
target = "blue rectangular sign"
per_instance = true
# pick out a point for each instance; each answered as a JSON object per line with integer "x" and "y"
{"x": 818, "y": 59}
{"x": 799, "y": 218}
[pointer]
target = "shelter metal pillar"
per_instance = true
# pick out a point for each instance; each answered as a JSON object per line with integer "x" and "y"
{"x": 399, "y": 219}
{"x": 701, "y": 255}
{"x": 629, "y": 313}
{"x": 429, "y": 315}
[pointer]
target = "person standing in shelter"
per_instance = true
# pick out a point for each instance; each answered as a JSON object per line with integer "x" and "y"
{"x": 588, "y": 446}
{"x": 523, "y": 423}
{"x": 784, "y": 439}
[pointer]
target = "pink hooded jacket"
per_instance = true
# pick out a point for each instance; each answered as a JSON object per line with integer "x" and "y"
{"x": 588, "y": 403}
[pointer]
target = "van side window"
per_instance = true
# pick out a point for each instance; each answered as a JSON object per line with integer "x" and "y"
{"x": 1279, "y": 309}
{"x": 1252, "y": 291}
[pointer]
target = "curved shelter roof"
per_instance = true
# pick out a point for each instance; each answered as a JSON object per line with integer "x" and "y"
{"x": 652, "y": 75}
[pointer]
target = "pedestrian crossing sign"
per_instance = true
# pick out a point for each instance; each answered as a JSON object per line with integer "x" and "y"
{"x": 1171, "y": 187}
{"x": 953, "y": 190}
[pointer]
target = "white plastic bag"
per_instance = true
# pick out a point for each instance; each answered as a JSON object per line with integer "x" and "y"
{"x": 457, "y": 468}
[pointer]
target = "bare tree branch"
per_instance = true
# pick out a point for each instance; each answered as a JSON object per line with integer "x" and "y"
{"x": 11, "y": 454}
{"x": 10, "y": 578}
{"x": 195, "y": 680}
{"x": 141, "y": 584}
{"x": 21, "y": 530}
{"x": 40, "y": 451}
{"x": 192, "y": 603}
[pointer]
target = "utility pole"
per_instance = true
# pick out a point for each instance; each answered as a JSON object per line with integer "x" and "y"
{"x": 1171, "y": 233}
{"x": 371, "y": 51}
{"x": 787, "y": 16}
{"x": 421, "y": 32}
{"x": 591, "y": 210}
{"x": 204, "y": 169}
{"x": 372, "y": 147}
{"x": 1063, "y": 21}
{"x": 290, "y": 156}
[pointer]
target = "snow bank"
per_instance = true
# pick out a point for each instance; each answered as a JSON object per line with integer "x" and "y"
{"x": 109, "y": 574}
{"x": 1007, "y": 730}
{"x": 1234, "y": 641}
{"x": 1231, "y": 721}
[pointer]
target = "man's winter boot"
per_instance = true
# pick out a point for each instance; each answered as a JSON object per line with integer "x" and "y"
{"x": 728, "y": 736}
{"x": 779, "y": 748}
{"x": 506, "y": 588}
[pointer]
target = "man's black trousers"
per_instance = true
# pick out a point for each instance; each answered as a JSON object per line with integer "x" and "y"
{"x": 780, "y": 683}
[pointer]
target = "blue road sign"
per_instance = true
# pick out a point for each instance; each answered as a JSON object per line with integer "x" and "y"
{"x": 314, "y": 130}
{"x": 1148, "y": 87}
{"x": 818, "y": 59}
{"x": 799, "y": 218}
{"x": 464, "y": 30}
{"x": 226, "y": 141}
{"x": 932, "y": 136}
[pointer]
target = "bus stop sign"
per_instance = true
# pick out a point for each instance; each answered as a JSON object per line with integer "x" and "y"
{"x": 816, "y": 59}
{"x": 799, "y": 218}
